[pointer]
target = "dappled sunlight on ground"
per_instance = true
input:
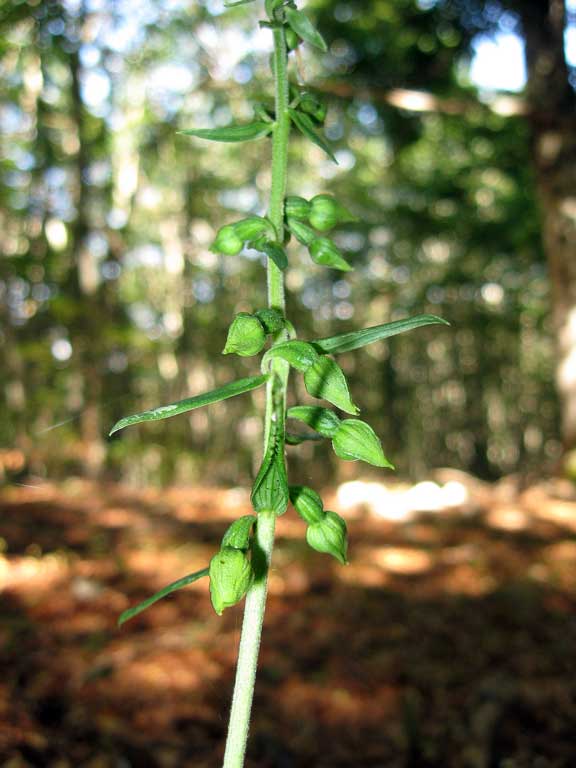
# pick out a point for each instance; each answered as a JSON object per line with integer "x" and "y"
{"x": 447, "y": 641}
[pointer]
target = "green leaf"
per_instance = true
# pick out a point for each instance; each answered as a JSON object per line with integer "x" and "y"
{"x": 304, "y": 28}
{"x": 321, "y": 420}
{"x": 228, "y": 4}
{"x": 238, "y": 534}
{"x": 270, "y": 489}
{"x": 346, "y": 342}
{"x": 232, "y": 133}
{"x": 299, "y": 354}
{"x": 238, "y": 387}
{"x": 356, "y": 441}
{"x": 274, "y": 251}
{"x": 305, "y": 125}
{"x": 325, "y": 380}
{"x": 131, "y": 612}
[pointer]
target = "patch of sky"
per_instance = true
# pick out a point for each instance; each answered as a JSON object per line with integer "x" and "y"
{"x": 243, "y": 199}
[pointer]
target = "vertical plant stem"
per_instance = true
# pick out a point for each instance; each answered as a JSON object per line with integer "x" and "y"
{"x": 275, "y": 410}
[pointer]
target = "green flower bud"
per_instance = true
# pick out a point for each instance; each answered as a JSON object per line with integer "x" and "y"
{"x": 313, "y": 107}
{"x": 297, "y": 208}
{"x": 251, "y": 228}
{"x": 292, "y": 39}
{"x": 326, "y": 253}
{"x": 272, "y": 320}
{"x": 246, "y": 336}
{"x": 325, "y": 379}
{"x": 307, "y": 503}
{"x": 326, "y": 213}
{"x": 322, "y": 420}
{"x": 355, "y": 440}
{"x": 301, "y": 231}
{"x": 329, "y": 536}
{"x": 238, "y": 534}
{"x": 230, "y": 578}
{"x": 227, "y": 241}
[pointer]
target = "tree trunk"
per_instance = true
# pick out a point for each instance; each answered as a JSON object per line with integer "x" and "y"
{"x": 553, "y": 106}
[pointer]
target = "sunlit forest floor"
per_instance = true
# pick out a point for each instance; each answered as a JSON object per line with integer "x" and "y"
{"x": 449, "y": 640}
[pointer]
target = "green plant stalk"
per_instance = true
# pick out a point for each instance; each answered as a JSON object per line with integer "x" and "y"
{"x": 275, "y": 412}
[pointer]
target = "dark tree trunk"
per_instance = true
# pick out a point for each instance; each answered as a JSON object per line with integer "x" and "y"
{"x": 553, "y": 108}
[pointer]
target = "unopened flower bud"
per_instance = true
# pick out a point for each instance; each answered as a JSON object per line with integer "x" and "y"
{"x": 297, "y": 208}
{"x": 355, "y": 440}
{"x": 272, "y": 320}
{"x": 307, "y": 503}
{"x": 301, "y": 231}
{"x": 326, "y": 253}
{"x": 251, "y": 228}
{"x": 246, "y": 336}
{"x": 329, "y": 536}
{"x": 313, "y": 107}
{"x": 238, "y": 534}
{"x": 230, "y": 578}
{"x": 292, "y": 39}
{"x": 227, "y": 241}
{"x": 326, "y": 213}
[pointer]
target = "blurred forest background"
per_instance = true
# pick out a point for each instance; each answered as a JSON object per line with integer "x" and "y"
{"x": 448, "y": 642}
{"x": 112, "y": 302}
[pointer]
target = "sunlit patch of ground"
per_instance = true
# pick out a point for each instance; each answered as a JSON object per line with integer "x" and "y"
{"x": 447, "y": 641}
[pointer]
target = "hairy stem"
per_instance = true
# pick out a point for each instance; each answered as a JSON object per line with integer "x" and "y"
{"x": 275, "y": 411}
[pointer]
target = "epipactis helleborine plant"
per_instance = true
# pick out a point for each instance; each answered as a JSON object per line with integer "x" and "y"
{"x": 240, "y": 568}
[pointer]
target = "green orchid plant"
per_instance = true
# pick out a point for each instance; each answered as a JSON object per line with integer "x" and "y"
{"x": 240, "y": 568}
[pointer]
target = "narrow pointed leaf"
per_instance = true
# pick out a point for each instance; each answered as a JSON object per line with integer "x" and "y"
{"x": 304, "y": 28}
{"x": 346, "y": 342}
{"x": 325, "y": 380}
{"x": 274, "y": 251}
{"x": 228, "y": 4}
{"x": 134, "y": 611}
{"x": 238, "y": 387}
{"x": 270, "y": 489}
{"x": 232, "y": 133}
{"x": 305, "y": 125}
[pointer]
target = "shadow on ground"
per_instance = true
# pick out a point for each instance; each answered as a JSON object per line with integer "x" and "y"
{"x": 448, "y": 641}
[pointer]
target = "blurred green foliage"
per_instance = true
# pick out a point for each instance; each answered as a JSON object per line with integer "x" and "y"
{"x": 111, "y": 301}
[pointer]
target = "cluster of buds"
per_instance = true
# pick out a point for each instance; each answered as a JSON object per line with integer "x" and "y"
{"x": 352, "y": 439}
{"x": 233, "y": 237}
{"x": 247, "y": 333}
{"x": 326, "y": 531}
{"x": 322, "y": 213}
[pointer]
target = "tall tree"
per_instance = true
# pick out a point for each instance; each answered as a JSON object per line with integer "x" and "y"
{"x": 551, "y": 101}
